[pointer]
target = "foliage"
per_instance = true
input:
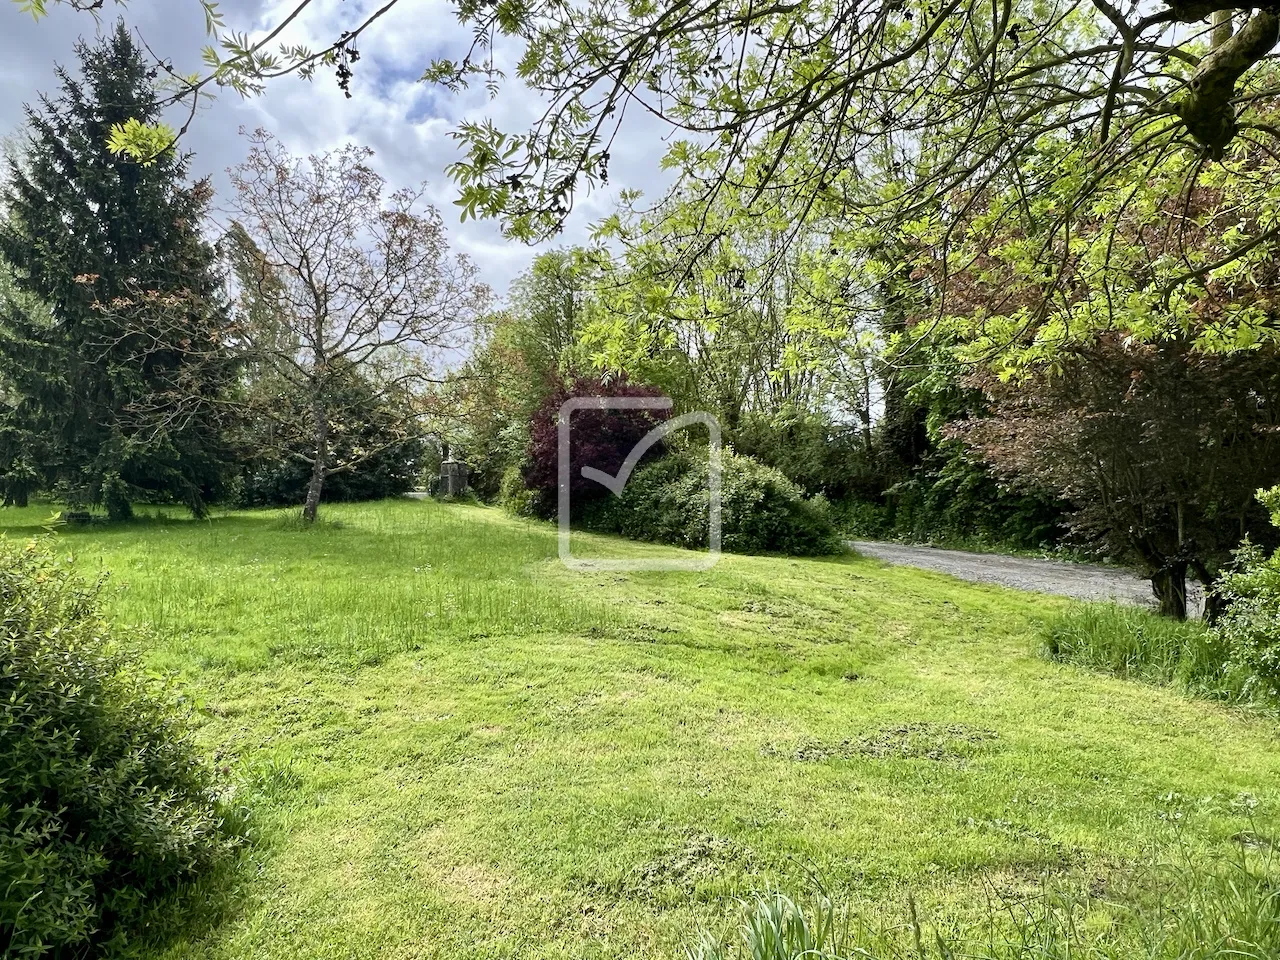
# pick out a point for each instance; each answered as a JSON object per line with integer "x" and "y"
{"x": 1173, "y": 254}
{"x": 600, "y": 438}
{"x": 715, "y": 308}
{"x": 761, "y": 510}
{"x": 520, "y": 356}
{"x": 1250, "y": 626}
{"x": 333, "y": 277}
{"x": 550, "y": 303}
{"x": 514, "y": 495}
{"x": 141, "y": 142}
{"x": 122, "y": 379}
{"x": 951, "y": 498}
{"x": 1132, "y": 642}
{"x": 108, "y": 806}
{"x": 811, "y": 450}
{"x": 24, "y": 448}
{"x": 926, "y": 486}
{"x": 378, "y": 452}
{"x": 1158, "y": 448}
{"x": 1047, "y": 137}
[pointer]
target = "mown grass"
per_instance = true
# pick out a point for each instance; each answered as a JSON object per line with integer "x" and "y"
{"x": 454, "y": 747}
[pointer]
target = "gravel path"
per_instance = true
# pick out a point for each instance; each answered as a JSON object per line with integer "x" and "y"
{"x": 1080, "y": 580}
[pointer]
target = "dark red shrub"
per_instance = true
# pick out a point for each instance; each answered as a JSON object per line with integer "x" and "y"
{"x": 598, "y": 438}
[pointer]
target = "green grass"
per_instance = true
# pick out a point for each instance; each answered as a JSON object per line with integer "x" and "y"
{"x": 454, "y": 747}
{"x": 1179, "y": 912}
{"x": 1138, "y": 644}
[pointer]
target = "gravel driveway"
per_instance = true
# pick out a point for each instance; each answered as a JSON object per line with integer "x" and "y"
{"x": 1080, "y": 580}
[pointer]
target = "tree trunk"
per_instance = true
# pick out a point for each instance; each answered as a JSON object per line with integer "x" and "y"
{"x": 320, "y": 424}
{"x": 1214, "y": 606}
{"x": 1169, "y": 584}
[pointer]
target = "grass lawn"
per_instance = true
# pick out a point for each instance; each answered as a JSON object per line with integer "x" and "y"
{"x": 454, "y": 747}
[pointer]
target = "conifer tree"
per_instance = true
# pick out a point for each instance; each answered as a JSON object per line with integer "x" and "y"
{"x": 122, "y": 385}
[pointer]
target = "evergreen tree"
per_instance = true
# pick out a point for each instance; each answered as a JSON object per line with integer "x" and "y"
{"x": 22, "y": 449}
{"x": 123, "y": 386}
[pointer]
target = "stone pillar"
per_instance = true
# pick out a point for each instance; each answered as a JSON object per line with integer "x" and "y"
{"x": 453, "y": 479}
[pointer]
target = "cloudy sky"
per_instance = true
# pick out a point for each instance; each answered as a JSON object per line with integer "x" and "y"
{"x": 407, "y": 123}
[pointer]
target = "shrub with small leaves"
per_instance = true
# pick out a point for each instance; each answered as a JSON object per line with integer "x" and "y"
{"x": 761, "y": 510}
{"x": 1250, "y": 625}
{"x": 107, "y": 807}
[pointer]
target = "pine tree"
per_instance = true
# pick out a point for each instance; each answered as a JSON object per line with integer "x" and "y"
{"x": 123, "y": 387}
{"x": 22, "y": 449}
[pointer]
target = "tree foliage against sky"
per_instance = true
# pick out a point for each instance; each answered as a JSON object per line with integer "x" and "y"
{"x": 957, "y": 90}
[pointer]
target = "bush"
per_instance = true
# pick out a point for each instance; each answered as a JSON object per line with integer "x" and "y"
{"x": 1248, "y": 594}
{"x": 1250, "y": 624}
{"x": 951, "y": 499}
{"x": 761, "y": 510}
{"x": 106, "y": 806}
{"x": 1134, "y": 642}
{"x": 599, "y": 438}
{"x": 385, "y": 462}
{"x": 865, "y": 520}
{"x": 514, "y": 496}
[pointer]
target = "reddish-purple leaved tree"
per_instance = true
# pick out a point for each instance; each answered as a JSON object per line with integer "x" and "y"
{"x": 598, "y": 438}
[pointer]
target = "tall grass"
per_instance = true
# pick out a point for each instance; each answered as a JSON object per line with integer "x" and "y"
{"x": 366, "y": 582}
{"x": 1171, "y": 912}
{"x": 1135, "y": 643}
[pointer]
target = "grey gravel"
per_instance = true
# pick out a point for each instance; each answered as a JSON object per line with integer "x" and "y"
{"x": 1084, "y": 581}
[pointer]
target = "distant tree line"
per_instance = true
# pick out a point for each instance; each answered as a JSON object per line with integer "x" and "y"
{"x": 1144, "y": 452}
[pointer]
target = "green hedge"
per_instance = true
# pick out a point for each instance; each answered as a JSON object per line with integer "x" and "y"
{"x": 761, "y": 510}
{"x": 106, "y": 805}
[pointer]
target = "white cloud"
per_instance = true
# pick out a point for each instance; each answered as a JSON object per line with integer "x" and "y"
{"x": 405, "y": 122}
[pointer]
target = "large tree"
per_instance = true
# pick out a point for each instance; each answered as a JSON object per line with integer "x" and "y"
{"x": 887, "y": 111}
{"x": 1159, "y": 449}
{"x": 106, "y": 242}
{"x": 24, "y": 448}
{"x": 520, "y": 355}
{"x": 336, "y": 280}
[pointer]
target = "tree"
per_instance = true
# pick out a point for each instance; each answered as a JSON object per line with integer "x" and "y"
{"x": 598, "y": 438}
{"x": 886, "y": 112}
{"x": 521, "y": 354}
{"x": 550, "y": 304}
{"x": 751, "y": 325}
{"x": 381, "y": 448}
{"x": 116, "y": 412}
{"x": 764, "y": 334}
{"x": 23, "y": 448}
{"x": 333, "y": 280}
{"x": 1159, "y": 449}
